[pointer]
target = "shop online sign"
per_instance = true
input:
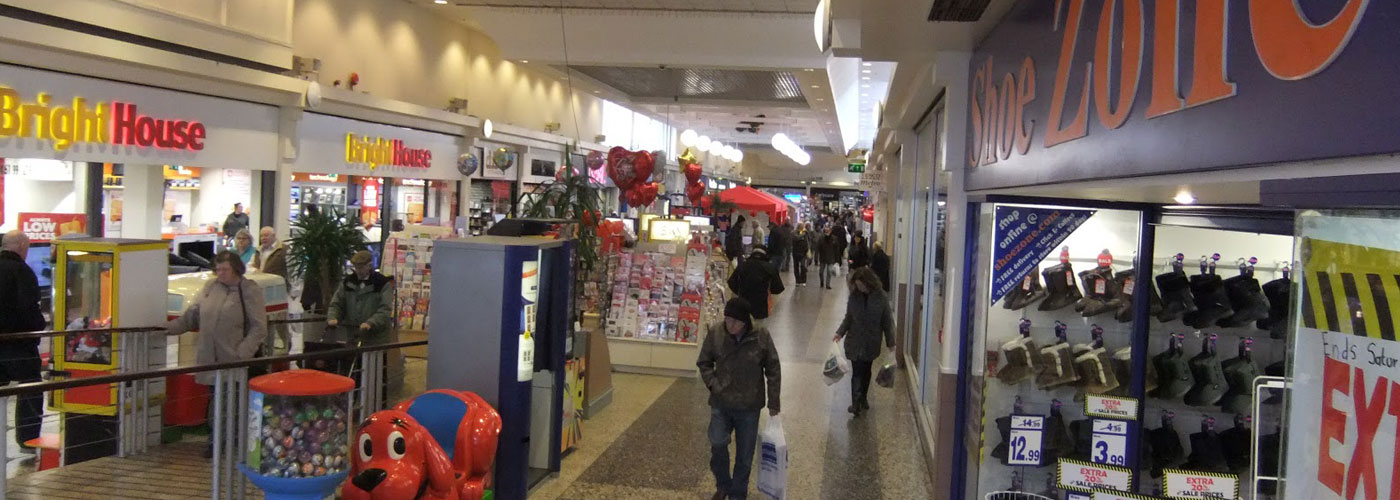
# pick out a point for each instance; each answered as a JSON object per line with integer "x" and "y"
{"x": 65, "y": 123}
{"x": 1088, "y": 89}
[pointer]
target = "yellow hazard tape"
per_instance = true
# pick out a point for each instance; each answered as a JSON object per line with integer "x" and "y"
{"x": 1350, "y": 289}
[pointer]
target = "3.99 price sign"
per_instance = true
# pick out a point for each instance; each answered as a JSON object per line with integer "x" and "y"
{"x": 1110, "y": 442}
{"x": 1027, "y": 440}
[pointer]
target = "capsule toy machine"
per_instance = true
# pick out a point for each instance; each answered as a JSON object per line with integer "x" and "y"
{"x": 298, "y": 433}
{"x": 100, "y": 284}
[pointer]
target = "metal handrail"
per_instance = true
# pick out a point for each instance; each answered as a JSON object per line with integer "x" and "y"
{"x": 40, "y": 334}
{"x": 15, "y": 390}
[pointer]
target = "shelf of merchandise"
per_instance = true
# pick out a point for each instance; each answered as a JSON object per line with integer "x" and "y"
{"x": 654, "y": 357}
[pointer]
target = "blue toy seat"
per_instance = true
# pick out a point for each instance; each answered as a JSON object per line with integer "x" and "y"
{"x": 441, "y": 414}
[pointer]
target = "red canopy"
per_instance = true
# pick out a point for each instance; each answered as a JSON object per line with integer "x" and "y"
{"x": 753, "y": 201}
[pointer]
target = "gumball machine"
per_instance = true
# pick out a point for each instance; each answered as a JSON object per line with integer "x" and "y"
{"x": 298, "y": 434}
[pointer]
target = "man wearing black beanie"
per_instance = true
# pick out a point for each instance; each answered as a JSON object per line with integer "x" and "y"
{"x": 737, "y": 362}
{"x": 754, "y": 280}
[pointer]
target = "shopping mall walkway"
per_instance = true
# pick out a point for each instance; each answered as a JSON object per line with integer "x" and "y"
{"x": 650, "y": 443}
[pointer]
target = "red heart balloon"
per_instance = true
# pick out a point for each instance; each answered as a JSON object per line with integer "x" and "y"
{"x": 649, "y": 192}
{"x": 692, "y": 172}
{"x": 634, "y": 197}
{"x": 695, "y": 191}
{"x": 629, "y": 168}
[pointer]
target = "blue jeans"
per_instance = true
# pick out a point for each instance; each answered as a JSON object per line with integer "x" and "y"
{"x": 743, "y": 424}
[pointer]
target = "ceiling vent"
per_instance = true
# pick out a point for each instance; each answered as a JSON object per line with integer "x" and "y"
{"x": 957, "y": 11}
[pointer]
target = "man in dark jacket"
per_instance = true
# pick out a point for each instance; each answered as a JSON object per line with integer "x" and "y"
{"x": 235, "y": 222}
{"x": 734, "y": 240}
{"x": 838, "y": 230}
{"x": 859, "y": 255}
{"x": 880, "y": 263}
{"x": 738, "y": 361}
{"x": 754, "y": 280}
{"x": 20, "y": 312}
{"x": 801, "y": 244}
{"x": 780, "y": 246}
{"x": 828, "y": 251}
{"x": 365, "y": 299}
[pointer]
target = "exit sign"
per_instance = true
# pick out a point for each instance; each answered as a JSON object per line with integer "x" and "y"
{"x": 856, "y": 168}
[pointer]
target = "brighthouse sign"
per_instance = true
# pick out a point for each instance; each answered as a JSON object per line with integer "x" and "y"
{"x": 77, "y": 121}
{"x": 376, "y": 151}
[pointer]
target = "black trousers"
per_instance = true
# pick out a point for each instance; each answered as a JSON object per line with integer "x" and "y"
{"x": 799, "y": 268}
{"x": 19, "y": 362}
{"x": 860, "y": 381}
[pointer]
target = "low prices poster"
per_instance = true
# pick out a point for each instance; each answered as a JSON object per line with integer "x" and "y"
{"x": 46, "y": 227}
{"x": 1024, "y": 236}
{"x": 1343, "y": 440}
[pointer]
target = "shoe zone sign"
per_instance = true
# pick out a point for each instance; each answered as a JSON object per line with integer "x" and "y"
{"x": 1091, "y": 89}
{"x": 1344, "y": 415}
{"x": 1025, "y": 236}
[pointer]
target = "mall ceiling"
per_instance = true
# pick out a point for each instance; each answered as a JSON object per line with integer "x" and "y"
{"x": 750, "y": 6}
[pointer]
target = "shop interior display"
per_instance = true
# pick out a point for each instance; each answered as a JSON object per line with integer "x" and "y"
{"x": 658, "y": 291}
{"x": 1066, "y": 331}
{"x": 407, "y": 260}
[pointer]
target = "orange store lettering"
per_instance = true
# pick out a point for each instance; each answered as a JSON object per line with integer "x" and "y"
{"x": 1288, "y": 45}
{"x": 118, "y": 123}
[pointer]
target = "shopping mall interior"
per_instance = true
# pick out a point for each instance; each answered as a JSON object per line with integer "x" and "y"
{"x": 699, "y": 249}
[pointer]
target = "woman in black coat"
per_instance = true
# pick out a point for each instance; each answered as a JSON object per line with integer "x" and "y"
{"x": 828, "y": 254}
{"x": 859, "y": 255}
{"x": 868, "y": 319}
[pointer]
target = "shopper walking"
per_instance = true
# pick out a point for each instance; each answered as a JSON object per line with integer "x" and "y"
{"x": 235, "y": 222}
{"x": 801, "y": 245}
{"x": 859, "y": 255}
{"x": 868, "y": 319}
{"x": 738, "y": 361}
{"x": 839, "y": 231}
{"x": 230, "y": 314}
{"x": 734, "y": 240}
{"x": 782, "y": 246}
{"x": 880, "y": 263}
{"x": 364, "y": 299}
{"x": 20, "y": 312}
{"x": 271, "y": 258}
{"x": 243, "y": 247}
{"x": 828, "y": 253}
{"x": 755, "y": 280}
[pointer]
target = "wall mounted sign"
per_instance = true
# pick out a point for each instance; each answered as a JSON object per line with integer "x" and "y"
{"x": 1024, "y": 237}
{"x": 1091, "y": 89}
{"x": 58, "y": 116}
{"x": 1027, "y": 440}
{"x": 1086, "y": 477}
{"x": 344, "y": 146}
{"x": 1109, "y": 442}
{"x": 46, "y": 227}
{"x": 1110, "y": 407}
{"x": 1191, "y": 485}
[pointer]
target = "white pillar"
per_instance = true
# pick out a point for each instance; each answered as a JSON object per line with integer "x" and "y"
{"x": 951, "y": 72}
{"x": 289, "y": 119}
{"x": 143, "y": 197}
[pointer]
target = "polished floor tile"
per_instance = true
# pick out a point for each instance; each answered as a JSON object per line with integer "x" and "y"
{"x": 652, "y": 445}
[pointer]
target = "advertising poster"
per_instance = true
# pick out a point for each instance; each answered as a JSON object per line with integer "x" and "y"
{"x": 1342, "y": 435}
{"x": 46, "y": 227}
{"x": 1024, "y": 237}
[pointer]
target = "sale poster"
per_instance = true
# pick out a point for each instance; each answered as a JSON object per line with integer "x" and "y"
{"x": 46, "y": 227}
{"x": 1085, "y": 476}
{"x": 1187, "y": 485}
{"x": 1343, "y": 438}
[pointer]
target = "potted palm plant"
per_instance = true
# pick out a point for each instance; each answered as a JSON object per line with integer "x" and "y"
{"x": 320, "y": 245}
{"x": 571, "y": 196}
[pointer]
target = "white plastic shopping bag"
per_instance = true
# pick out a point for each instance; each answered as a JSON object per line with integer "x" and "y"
{"x": 836, "y": 365}
{"x": 773, "y": 455}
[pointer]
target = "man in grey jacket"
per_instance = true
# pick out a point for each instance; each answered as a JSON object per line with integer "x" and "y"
{"x": 737, "y": 362}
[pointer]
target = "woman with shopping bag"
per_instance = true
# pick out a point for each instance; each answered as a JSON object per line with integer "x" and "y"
{"x": 868, "y": 319}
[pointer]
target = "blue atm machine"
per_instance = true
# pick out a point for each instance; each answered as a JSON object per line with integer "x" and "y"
{"x": 493, "y": 297}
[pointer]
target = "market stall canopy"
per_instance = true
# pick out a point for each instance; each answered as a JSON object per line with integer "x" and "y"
{"x": 753, "y": 200}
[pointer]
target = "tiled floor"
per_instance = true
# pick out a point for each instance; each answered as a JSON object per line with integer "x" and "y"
{"x": 650, "y": 443}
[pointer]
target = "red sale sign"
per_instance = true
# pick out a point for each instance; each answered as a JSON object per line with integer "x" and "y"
{"x": 42, "y": 227}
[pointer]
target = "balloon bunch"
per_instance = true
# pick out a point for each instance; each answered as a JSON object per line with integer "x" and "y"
{"x": 629, "y": 170}
{"x": 694, "y": 189}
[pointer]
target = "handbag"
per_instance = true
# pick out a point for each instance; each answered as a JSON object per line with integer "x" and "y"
{"x": 255, "y": 370}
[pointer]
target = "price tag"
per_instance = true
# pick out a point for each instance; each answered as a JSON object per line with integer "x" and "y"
{"x": 1026, "y": 284}
{"x": 1078, "y": 496}
{"x": 1110, "y": 442}
{"x": 1109, "y": 495}
{"x": 1192, "y": 485}
{"x": 1100, "y": 286}
{"x": 1087, "y": 477}
{"x": 1111, "y": 407}
{"x": 1128, "y": 286}
{"x": 1027, "y": 440}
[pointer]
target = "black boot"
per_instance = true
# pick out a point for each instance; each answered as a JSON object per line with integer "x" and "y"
{"x": 1026, "y": 294}
{"x": 1212, "y": 303}
{"x": 1061, "y": 290}
{"x": 1248, "y": 301}
{"x": 1276, "y": 292}
{"x": 1176, "y": 296}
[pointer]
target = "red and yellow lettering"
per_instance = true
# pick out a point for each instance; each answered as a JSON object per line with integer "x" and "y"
{"x": 1336, "y": 377}
{"x": 1130, "y": 67}
{"x": 1007, "y": 118}
{"x": 1290, "y": 46}
{"x": 1024, "y": 95}
{"x": 1166, "y": 38}
{"x": 1079, "y": 125}
{"x": 974, "y": 153}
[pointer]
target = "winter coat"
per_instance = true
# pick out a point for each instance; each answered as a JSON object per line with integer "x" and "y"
{"x": 234, "y": 223}
{"x": 868, "y": 318}
{"x": 880, "y": 263}
{"x": 859, "y": 255}
{"x": 779, "y": 240}
{"x": 842, "y": 241}
{"x": 828, "y": 250}
{"x": 232, "y": 324}
{"x": 737, "y": 371}
{"x": 753, "y": 280}
{"x": 19, "y": 297}
{"x": 734, "y": 240}
{"x": 800, "y": 246}
{"x": 274, "y": 262}
{"x": 368, "y": 301}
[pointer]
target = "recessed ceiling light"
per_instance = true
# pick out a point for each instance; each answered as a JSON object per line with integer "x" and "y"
{"x": 440, "y": 2}
{"x": 866, "y": 78}
{"x": 522, "y": 61}
{"x": 866, "y": 64}
{"x": 865, "y": 85}
{"x": 1185, "y": 198}
{"x": 866, "y": 71}
{"x": 816, "y": 86}
{"x": 808, "y": 69}
{"x": 819, "y": 99}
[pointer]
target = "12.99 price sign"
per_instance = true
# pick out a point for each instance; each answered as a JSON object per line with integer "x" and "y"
{"x": 1027, "y": 440}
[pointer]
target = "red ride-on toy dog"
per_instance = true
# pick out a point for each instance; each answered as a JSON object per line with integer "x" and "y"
{"x": 439, "y": 445}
